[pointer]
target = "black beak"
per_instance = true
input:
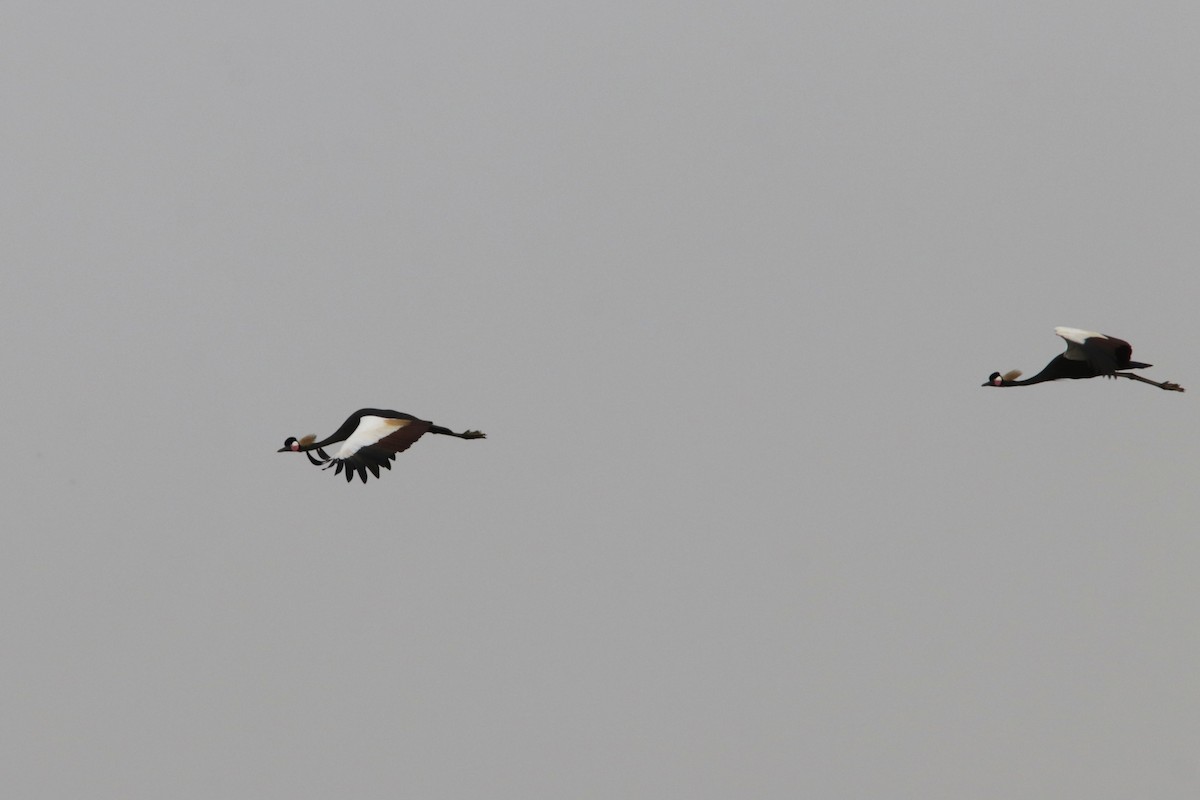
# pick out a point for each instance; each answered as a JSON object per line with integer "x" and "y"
{"x": 288, "y": 449}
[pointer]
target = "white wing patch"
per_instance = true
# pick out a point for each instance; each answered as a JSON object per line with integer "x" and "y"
{"x": 369, "y": 431}
{"x": 1075, "y": 337}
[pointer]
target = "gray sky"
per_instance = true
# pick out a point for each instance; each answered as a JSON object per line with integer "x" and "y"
{"x": 720, "y": 281}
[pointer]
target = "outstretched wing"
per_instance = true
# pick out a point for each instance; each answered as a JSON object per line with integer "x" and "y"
{"x": 1104, "y": 354}
{"x": 374, "y": 444}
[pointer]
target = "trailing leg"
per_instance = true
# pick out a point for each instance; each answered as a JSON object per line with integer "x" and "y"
{"x": 463, "y": 435}
{"x": 1170, "y": 387}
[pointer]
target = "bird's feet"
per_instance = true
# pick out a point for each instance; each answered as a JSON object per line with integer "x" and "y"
{"x": 1172, "y": 387}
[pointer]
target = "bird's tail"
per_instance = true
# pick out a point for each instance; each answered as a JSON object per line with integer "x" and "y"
{"x": 1136, "y": 365}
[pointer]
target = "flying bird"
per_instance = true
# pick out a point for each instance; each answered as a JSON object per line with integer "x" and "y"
{"x": 371, "y": 438}
{"x": 1088, "y": 354}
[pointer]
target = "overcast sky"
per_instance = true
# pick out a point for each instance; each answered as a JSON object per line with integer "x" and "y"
{"x": 720, "y": 281}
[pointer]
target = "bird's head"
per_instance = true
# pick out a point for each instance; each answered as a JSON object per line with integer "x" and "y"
{"x": 996, "y": 379}
{"x": 293, "y": 445}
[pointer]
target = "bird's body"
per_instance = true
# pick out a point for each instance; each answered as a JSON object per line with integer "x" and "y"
{"x": 1088, "y": 355}
{"x": 370, "y": 439}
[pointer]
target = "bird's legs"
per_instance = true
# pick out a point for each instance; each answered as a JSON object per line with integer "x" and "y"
{"x": 1170, "y": 387}
{"x": 463, "y": 435}
{"x": 318, "y": 461}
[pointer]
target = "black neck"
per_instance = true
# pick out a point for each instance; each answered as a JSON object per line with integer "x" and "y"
{"x": 1041, "y": 377}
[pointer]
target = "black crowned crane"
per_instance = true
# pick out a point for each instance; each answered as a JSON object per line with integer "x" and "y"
{"x": 1088, "y": 354}
{"x": 371, "y": 438}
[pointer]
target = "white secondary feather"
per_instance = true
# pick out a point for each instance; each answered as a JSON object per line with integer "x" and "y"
{"x": 369, "y": 431}
{"x": 1075, "y": 337}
